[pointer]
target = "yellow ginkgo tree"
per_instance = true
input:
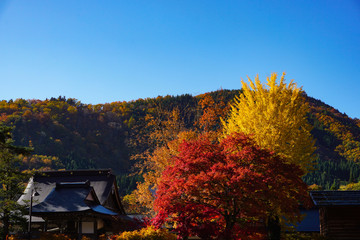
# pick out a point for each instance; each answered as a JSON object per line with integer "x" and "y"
{"x": 275, "y": 114}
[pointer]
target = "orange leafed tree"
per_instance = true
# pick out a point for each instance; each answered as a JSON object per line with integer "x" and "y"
{"x": 167, "y": 133}
{"x": 212, "y": 112}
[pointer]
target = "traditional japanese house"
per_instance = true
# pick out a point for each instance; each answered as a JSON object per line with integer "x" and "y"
{"x": 81, "y": 202}
{"x": 339, "y": 213}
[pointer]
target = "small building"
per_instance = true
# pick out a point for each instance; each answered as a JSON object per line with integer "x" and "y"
{"x": 81, "y": 202}
{"x": 339, "y": 213}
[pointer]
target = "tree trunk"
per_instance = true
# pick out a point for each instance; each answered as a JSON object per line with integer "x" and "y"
{"x": 274, "y": 229}
{"x": 6, "y": 223}
{"x": 227, "y": 234}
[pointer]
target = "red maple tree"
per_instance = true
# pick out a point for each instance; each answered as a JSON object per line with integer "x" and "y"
{"x": 225, "y": 189}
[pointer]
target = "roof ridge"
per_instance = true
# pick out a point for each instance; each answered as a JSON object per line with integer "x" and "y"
{"x": 78, "y": 172}
{"x": 72, "y": 184}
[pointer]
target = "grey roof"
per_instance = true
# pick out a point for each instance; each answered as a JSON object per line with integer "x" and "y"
{"x": 335, "y": 198}
{"x": 64, "y": 199}
{"x": 70, "y": 197}
{"x": 66, "y": 191}
{"x": 101, "y": 180}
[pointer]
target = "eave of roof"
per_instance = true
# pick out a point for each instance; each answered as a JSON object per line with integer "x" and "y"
{"x": 335, "y": 198}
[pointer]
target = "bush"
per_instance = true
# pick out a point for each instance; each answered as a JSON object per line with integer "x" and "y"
{"x": 148, "y": 233}
{"x": 44, "y": 236}
{"x": 304, "y": 236}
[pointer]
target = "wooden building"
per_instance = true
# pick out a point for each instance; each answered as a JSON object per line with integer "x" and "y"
{"x": 81, "y": 202}
{"x": 339, "y": 213}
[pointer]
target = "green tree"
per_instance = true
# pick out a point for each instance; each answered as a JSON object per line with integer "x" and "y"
{"x": 11, "y": 180}
{"x": 275, "y": 114}
{"x": 335, "y": 185}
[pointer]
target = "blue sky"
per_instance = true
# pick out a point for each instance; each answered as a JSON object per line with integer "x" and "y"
{"x": 105, "y": 51}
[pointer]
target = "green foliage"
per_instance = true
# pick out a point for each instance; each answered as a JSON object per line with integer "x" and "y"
{"x": 127, "y": 183}
{"x": 326, "y": 171}
{"x": 11, "y": 181}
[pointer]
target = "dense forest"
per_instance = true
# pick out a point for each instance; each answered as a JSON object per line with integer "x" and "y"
{"x": 67, "y": 134}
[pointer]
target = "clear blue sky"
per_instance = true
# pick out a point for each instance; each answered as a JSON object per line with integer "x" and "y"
{"x": 105, "y": 51}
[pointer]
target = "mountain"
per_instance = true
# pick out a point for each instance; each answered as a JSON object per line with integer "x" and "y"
{"x": 338, "y": 142}
{"x": 66, "y": 133}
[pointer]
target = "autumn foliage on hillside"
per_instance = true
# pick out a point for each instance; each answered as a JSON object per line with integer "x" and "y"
{"x": 227, "y": 188}
{"x": 96, "y": 136}
{"x": 338, "y": 141}
{"x": 66, "y": 133}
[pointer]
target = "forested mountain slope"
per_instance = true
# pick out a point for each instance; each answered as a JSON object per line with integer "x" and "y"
{"x": 338, "y": 141}
{"x": 66, "y": 133}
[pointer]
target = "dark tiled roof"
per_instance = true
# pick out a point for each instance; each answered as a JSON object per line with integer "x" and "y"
{"x": 335, "y": 198}
{"x": 66, "y": 191}
{"x": 64, "y": 200}
{"x": 70, "y": 197}
{"x": 45, "y": 182}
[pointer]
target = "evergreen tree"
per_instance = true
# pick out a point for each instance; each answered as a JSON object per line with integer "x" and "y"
{"x": 351, "y": 178}
{"x": 335, "y": 185}
{"x": 11, "y": 180}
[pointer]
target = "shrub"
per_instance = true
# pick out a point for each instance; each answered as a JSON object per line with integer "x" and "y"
{"x": 148, "y": 233}
{"x": 304, "y": 236}
{"x": 44, "y": 236}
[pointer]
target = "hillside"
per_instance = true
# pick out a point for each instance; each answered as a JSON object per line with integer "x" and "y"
{"x": 66, "y": 133}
